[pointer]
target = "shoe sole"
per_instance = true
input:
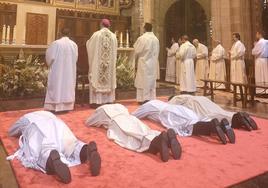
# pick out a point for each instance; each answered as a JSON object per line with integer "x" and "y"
{"x": 164, "y": 153}
{"x": 95, "y": 163}
{"x": 61, "y": 169}
{"x": 244, "y": 121}
{"x": 228, "y": 131}
{"x": 230, "y": 135}
{"x": 221, "y": 134}
{"x": 174, "y": 144}
{"x": 251, "y": 122}
{"x": 175, "y": 149}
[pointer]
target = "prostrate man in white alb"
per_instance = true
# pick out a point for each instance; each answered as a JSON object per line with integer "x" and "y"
{"x": 205, "y": 108}
{"x": 102, "y": 54}
{"x": 146, "y": 53}
{"x": 238, "y": 67}
{"x": 184, "y": 121}
{"x": 61, "y": 58}
{"x": 129, "y": 132}
{"x": 171, "y": 61}
{"x": 202, "y": 66}
{"x": 260, "y": 51}
{"x": 47, "y": 144}
{"x": 217, "y": 65}
{"x": 186, "y": 54}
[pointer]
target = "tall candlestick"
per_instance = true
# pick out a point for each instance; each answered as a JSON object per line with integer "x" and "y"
{"x": 121, "y": 40}
{"x": 23, "y": 35}
{"x": 127, "y": 40}
{"x": 4, "y": 34}
{"x": 8, "y": 34}
{"x": 14, "y": 35}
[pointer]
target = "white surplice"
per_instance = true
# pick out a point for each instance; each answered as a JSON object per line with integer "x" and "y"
{"x": 260, "y": 51}
{"x": 146, "y": 52}
{"x": 238, "y": 67}
{"x": 171, "y": 63}
{"x": 178, "y": 66}
{"x": 61, "y": 58}
{"x": 202, "y": 106}
{"x": 123, "y": 128}
{"x": 202, "y": 66}
{"x": 102, "y": 54}
{"x": 187, "y": 53}
{"x": 41, "y": 132}
{"x": 217, "y": 66}
{"x": 177, "y": 117}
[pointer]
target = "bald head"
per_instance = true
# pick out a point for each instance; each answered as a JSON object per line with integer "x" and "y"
{"x": 195, "y": 42}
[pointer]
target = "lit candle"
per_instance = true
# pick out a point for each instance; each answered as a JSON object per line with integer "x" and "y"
{"x": 121, "y": 39}
{"x": 4, "y": 34}
{"x": 23, "y": 35}
{"x": 8, "y": 33}
{"x": 127, "y": 39}
{"x": 14, "y": 35}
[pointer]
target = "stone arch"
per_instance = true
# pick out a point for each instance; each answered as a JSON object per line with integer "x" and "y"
{"x": 159, "y": 13}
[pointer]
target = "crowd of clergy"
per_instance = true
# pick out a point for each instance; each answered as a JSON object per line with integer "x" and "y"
{"x": 46, "y": 143}
{"x": 188, "y": 64}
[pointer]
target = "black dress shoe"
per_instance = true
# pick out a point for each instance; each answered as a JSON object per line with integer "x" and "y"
{"x": 251, "y": 122}
{"x": 94, "y": 159}
{"x": 216, "y": 126}
{"x": 174, "y": 144}
{"x": 239, "y": 121}
{"x": 56, "y": 166}
{"x": 163, "y": 147}
{"x": 227, "y": 129}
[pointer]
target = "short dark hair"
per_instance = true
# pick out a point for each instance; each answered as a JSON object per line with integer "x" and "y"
{"x": 260, "y": 32}
{"x": 185, "y": 37}
{"x": 237, "y": 35}
{"x": 65, "y": 31}
{"x": 148, "y": 27}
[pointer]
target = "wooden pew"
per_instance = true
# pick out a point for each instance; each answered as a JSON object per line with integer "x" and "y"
{"x": 235, "y": 85}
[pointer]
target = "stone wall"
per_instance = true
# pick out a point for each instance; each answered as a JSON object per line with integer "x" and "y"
{"x": 227, "y": 16}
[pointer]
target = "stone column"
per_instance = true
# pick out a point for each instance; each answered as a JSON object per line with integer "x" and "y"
{"x": 221, "y": 23}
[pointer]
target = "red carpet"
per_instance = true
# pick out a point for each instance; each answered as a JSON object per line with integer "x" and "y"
{"x": 204, "y": 163}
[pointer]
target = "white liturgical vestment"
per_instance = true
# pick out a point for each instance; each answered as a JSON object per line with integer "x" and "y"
{"x": 217, "y": 66}
{"x": 238, "y": 67}
{"x": 61, "y": 58}
{"x": 202, "y": 66}
{"x": 41, "y": 132}
{"x": 260, "y": 51}
{"x": 123, "y": 128}
{"x": 102, "y": 54}
{"x": 186, "y": 55}
{"x": 171, "y": 63}
{"x": 202, "y": 106}
{"x": 177, "y": 117}
{"x": 146, "y": 53}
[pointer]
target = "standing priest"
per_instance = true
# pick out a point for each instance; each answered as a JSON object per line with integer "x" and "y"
{"x": 102, "y": 52}
{"x": 217, "y": 69}
{"x": 146, "y": 52}
{"x": 202, "y": 66}
{"x": 238, "y": 67}
{"x": 260, "y": 51}
{"x": 186, "y": 54}
{"x": 171, "y": 61}
{"x": 61, "y": 58}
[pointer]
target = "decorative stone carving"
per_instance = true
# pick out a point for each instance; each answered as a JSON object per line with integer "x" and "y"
{"x": 125, "y": 4}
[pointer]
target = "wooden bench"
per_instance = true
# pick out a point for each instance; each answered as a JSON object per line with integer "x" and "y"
{"x": 250, "y": 90}
{"x": 235, "y": 85}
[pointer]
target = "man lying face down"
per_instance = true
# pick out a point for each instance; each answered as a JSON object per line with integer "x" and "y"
{"x": 129, "y": 132}
{"x": 205, "y": 108}
{"x": 47, "y": 144}
{"x": 184, "y": 121}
